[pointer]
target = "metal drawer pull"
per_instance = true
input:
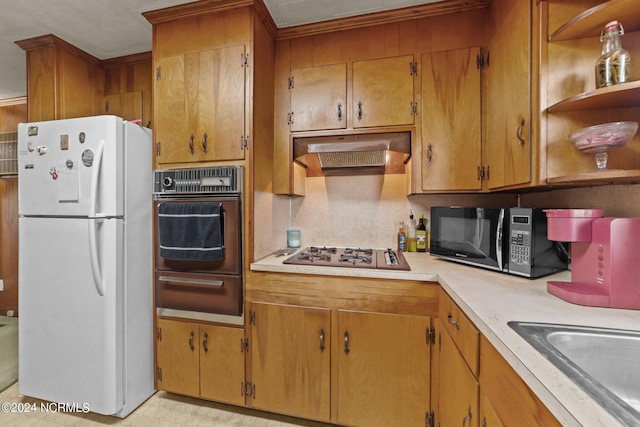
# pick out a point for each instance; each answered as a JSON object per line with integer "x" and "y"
{"x": 191, "y": 341}
{"x": 204, "y": 342}
{"x": 519, "y": 132}
{"x": 346, "y": 342}
{"x": 204, "y": 142}
{"x": 450, "y": 320}
{"x": 186, "y": 281}
{"x": 321, "y": 339}
{"x": 467, "y": 417}
{"x": 191, "y": 144}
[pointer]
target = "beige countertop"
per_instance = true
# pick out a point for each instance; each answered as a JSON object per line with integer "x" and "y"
{"x": 490, "y": 300}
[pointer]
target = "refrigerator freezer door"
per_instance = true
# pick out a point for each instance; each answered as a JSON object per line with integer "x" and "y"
{"x": 71, "y": 167}
{"x": 70, "y": 336}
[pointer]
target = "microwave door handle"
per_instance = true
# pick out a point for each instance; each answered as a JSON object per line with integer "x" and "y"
{"x": 499, "y": 239}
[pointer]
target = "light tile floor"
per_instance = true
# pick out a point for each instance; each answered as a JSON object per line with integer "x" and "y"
{"x": 161, "y": 410}
{"x": 8, "y": 351}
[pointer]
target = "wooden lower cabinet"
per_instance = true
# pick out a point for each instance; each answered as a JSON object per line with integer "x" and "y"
{"x": 505, "y": 399}
{"x": 200, "y": 360}
{"x": 380, "y": 364}
{"x": 383, "y": 366}
{"x": 456, "y": 386}
{"x": 290, "y": 359}
{"x": 473, "y": 385}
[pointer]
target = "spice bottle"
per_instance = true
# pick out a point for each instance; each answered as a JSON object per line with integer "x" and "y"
{"x": 613, "y": 66}
{"x": 402, "y": 238}
{"x": 421, "y": 235}
{"x": 411, "y": 234}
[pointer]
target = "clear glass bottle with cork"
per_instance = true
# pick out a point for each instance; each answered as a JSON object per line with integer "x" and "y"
{"x": 613, "y": 66}
{"x": 411, "y": 234}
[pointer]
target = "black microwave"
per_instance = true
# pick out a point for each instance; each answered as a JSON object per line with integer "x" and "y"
{"x": 509, "y": 240}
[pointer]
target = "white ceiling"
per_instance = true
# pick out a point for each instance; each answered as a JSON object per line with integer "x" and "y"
{"x": 112, "y": 28}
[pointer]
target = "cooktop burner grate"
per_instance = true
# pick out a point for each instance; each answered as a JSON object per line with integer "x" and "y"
{"x": 349, "y": 257}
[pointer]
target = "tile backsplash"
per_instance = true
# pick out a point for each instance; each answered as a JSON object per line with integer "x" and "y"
{"x": 365, "y": 210}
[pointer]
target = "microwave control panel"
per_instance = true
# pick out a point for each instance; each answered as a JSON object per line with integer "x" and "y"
{"x": 520, "y": 241}
{"x": 520, "y": 246}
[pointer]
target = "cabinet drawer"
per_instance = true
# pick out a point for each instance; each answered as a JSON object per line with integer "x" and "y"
{"x": 205, "y": 293}
{"x": 462, "y": 331}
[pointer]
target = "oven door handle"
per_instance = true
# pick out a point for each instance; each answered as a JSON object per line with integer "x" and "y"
{"x": 224, "y": 220}
{"x": 192, "y": 282}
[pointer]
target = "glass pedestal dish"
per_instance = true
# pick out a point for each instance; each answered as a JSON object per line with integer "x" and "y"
{"x": 601, "y": 138}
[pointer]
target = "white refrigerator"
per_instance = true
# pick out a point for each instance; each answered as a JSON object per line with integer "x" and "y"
{"x": 85, "y": 324}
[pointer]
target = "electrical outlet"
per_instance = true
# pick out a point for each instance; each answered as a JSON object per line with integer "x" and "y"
{"x": 1, "y": 285}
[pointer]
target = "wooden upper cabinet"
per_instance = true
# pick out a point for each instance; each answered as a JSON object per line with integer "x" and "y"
{"x": 383, "y": 92}
{"x": 216, "y": 101}
{"x": 508, "y": 104}
{"x": 171, "y": 127}
{"x": 64, "y": 81}
{"x": 200, "y": 102}
{"x": 128, "y": 105}
{"x": 318, "y": 98}
{"x": 451, "y": 120}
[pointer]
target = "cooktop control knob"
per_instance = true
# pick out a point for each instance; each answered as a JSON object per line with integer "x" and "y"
{"x": 167, "y": 182}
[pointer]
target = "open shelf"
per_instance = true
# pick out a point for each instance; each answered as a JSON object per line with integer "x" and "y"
{"x": 611, "y": 176}
{"x": 618, "y": 96}
{"x": 591, "y": 22}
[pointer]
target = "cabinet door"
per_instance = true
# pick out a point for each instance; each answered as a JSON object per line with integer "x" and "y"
{"x": 290, "y": 360}
{"x": 319, "y": 98}
{"x": 216, "y": 102}
{"x": 457, "y": 387}
{"x": 488, "y": 415}
{"x": 170, "y": 128}
{"x": 126, "y": 105}
{"x": 222, "y": 364}
{"x": 76, "y": 88}
{"x": 177, "y": 357}
{"x": 383, "y": 92}
{"x": 508, "y": 112}
{"x": 451, "y": 116}
{"x": 506, "y": 395}
{"x": 383, "y": 369}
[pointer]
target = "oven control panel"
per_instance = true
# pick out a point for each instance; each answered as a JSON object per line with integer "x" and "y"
{"x": 211, "y": 180}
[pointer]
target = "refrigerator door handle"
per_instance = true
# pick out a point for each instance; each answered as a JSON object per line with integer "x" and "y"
{"x": 95, "y": 179}
{"x": 93, "y": 223}
{"x": 94, "y": 254}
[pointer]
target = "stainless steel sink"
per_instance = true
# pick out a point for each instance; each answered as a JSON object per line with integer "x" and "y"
{"x": 605, "y": 363}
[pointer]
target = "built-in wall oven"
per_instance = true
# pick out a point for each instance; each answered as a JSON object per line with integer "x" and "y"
{"x": 198, "y": 243}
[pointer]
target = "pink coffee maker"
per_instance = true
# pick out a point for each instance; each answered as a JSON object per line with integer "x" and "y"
{"x": 605, "y": 258}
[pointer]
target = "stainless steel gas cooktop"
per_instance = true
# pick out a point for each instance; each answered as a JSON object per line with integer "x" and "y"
{"x": 322, "y": 256}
